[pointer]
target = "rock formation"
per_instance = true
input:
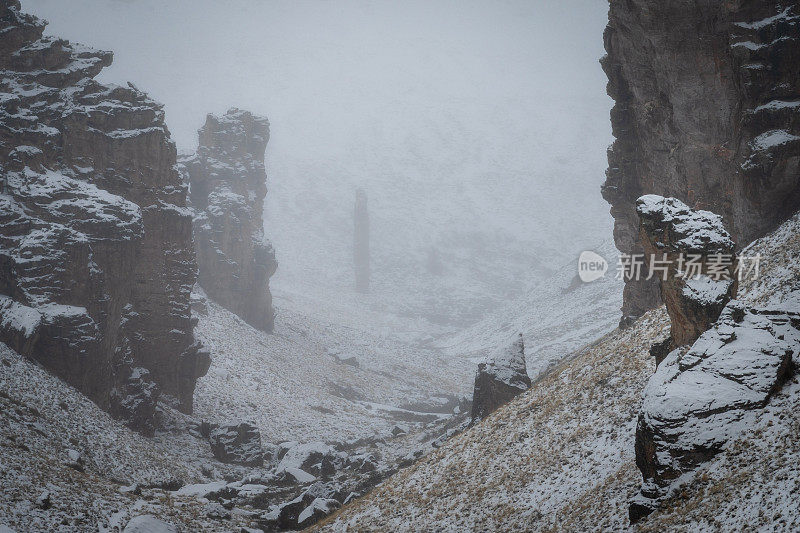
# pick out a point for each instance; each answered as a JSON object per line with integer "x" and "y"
{"x": 238, "y": 444}
{"x": 706, "y": 107}
{"x": 96, "y": 254}
{"x": 361, "y": 241}
{"x": 499, "y": 379}
{"x": 698, "y": 399}
{"x": 228, "y": 185}
{"x": 697, "y": 256}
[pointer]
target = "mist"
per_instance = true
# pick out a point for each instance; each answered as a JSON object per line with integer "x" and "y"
{"x": 476, "y": 129}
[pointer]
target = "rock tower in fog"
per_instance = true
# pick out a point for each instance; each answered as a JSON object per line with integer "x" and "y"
{"x": 228, "y": 184}
{"x": 361, "y": 241}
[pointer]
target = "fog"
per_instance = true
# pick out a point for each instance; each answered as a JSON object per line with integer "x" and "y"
{"x": 477, "y": 129}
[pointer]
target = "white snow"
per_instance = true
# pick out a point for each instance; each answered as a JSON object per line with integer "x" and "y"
{"x": 772, "y": 139}
{"x": 775, "y": 105}
{"x": 703, "y": 289}
{"x": 149, "y": 524}
{"x": 784, "y": 15}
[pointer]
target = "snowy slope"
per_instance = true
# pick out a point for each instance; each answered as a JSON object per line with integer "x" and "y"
{"x": 556, "y": 316}
{"x": 561, "y": 456}
{"x": 292, "y": 386}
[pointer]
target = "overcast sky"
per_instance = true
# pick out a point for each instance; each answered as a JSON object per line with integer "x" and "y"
{"x": 455, "y": 115}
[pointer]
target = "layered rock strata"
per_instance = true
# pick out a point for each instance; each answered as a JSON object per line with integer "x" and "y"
{"x": 228, "y": 184}
{"x": 707, "y": 110}
{"x": 96, "y": 254}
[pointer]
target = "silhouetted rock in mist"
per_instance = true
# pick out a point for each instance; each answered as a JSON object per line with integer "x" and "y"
{"x": 361, "y": 241}
{"x": 228, "y": 185}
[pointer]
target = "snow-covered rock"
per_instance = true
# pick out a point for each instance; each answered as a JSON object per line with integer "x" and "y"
{"x": 499, "y": 379}
{"x": 237, "y": 444}
{"x": 148, "y": 524}
{"x": 228, "y": 184}
{"x": 699, "y": 399}
{"x": 95, "y": 238}
{"x": 319, "y": 509}
{"x": 692, "y": 255}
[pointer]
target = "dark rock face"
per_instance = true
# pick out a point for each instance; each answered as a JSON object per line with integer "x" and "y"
{"x": 499, "y": 379}
{"x": 706, "y": 97}
{"x": 698, "y": 399}
{"x": 698, "y": 258}
{"x": 238, "y": 444}
{"x": 96, "y": 254}
{"x": 228, "y": 185}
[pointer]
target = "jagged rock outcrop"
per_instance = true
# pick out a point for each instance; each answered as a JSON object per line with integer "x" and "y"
{"x": 238, "y": 444}
{"x": 96, "y": 253}
{"x": 228, "y": 185}
{"x": 707, "y": 110}
{"x": 699, "y": 399}
{"x": 499, "y": 379}
{"x": 694, "y": 257}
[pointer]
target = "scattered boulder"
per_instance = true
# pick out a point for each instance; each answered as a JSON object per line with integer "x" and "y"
{"x": 694, "y": 257}
{"x": 698, "y": 399}
{"x": 499, "y": 379}
{"x": 75, "y": 460}
{"x": 299, "y": 513}
{"x": 148, "y": 524}
{"x": 44, "y": 501}
{"x": 217, "y": 511}
{"x": 319, "y": 509}
{"x": 399, "y": 430}
{"x": 349, "y": 361}
{"x": 314, "y": 458}
{"x": 237, "y": 444}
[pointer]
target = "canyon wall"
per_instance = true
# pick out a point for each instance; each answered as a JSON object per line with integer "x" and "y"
{"x": 228, "y": 184}
{"x": 96, "y": 254}
{"x": 707, "y": 110}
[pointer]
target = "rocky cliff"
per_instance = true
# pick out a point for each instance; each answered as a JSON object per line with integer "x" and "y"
{"x": 228, "y": 185}
{"x": 707, "y": 110}
{"x": 96, "y": 254}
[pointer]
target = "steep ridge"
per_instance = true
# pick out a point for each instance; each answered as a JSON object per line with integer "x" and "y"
{"x": 96, "y": 254}
{"x": 561, "y": 456}
{"x": 706, "y": 110}
{"x": 228, "y": 185}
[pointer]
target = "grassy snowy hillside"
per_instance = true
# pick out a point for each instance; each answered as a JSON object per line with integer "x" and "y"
{"x": 561, "y": 456}
{"x": 556, "y": 316}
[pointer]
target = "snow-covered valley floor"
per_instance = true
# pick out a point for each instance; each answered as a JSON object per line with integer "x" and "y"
{"x": 332, "y": 372}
